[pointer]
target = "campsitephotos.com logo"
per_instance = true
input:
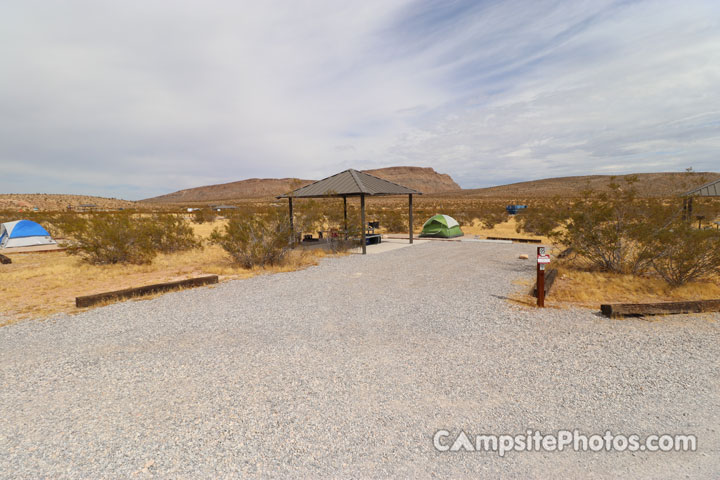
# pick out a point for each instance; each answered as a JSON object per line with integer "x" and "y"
{"x": 536, "y": 441}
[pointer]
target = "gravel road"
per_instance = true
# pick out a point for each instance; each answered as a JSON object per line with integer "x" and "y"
{"x": 348, "y": 369}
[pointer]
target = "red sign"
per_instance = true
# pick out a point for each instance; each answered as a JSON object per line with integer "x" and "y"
{"x": 543, "y": 259}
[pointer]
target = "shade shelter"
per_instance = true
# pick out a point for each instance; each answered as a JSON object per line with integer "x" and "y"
{"x": 711, "y": 189}
{"x": 353, "y": 183}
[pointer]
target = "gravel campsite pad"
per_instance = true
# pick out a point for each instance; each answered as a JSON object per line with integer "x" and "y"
{"x": 348, "y": 369}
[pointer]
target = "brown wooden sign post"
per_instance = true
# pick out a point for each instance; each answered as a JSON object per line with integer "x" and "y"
{"x": 542, "y": 260}
{"x": 410, "y": 218}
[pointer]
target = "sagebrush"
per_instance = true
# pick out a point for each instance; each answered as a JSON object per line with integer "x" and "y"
{"x": 255, "y": 240}
{"x": 123, "y": 238}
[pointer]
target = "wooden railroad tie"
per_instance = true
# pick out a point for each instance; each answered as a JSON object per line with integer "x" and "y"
{"x": 660, "y": 308}
{"x": 519, "y": 240}
{"x": 89, "y": 300}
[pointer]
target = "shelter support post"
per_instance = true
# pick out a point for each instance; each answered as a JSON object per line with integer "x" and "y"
{"x": 688, "y": 208}
{"x": 292, "y": 222}
{"x": 410, "y": 217}
{"x": 345, "y": 215}
{"x": 362, "y": 223}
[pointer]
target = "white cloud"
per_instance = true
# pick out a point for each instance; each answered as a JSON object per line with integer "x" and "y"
{"x": 139, "y": 98}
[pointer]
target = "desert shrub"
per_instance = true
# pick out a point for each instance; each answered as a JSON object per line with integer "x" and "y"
{"x": 102, "y": 239}
{"x": 255, "y": 240}
{"x": 463, "y": 217}
{"x": 170, "y": 233}
{"x": 204, "y": 215}
{"x": 706, "y": 211}
{"x": 7, "y": 216}
{"x": 617, "y": 232}
{"x": 491, "y": 216}
{"x": 110, "y": 239}
{"x": 344, "y": 241}
{"x": 610, "y": 230}
{"x": 392, "y": 221}
{"x": 309, "y": 215}
{"x": 542, "y": 218}
{"x": 61, "y": 224}
{"x": 686, "y": 254}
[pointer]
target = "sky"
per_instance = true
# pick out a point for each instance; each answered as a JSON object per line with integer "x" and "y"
{"x": 134, "y": 99}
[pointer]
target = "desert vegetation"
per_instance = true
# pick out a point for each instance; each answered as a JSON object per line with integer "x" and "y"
{"x": 111, "y": 251}
{"x": 255, "y": 240}
{"x": 615, "y": 231}
{"x": 627, "y": 246}
{"x": 125, "y": 238}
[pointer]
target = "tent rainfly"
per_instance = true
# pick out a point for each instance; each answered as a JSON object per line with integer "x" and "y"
{"x": 23, "y": 233}
{"x": 442, "y": 226}
{"x": 352, "y": 183}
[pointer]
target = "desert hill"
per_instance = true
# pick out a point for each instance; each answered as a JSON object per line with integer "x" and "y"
{"x": 425, "y": 180}
{"x": 57, "y": 202}
{"x": 648, "y": 185}
{"x": 250, "y": 188}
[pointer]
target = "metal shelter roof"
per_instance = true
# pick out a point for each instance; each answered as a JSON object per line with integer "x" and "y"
{"x": 350, "y": 183}
{"x": 711, "y": 189}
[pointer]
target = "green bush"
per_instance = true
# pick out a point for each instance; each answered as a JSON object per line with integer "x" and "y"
{"x": 542, "y": 218}
{"x": 204, "y": 215}
{"x": 309, "y": 216}
{"x": 61, "y": 224}
{"x": 686, "y": 254}
{"x": 392, "y": 221}
{"x": 123, "y": 238}
{"x": 110, "y": 239}
{"x": 255, "y": 240}
{"x": 612, "y": 231}
{"x": 171, "y": 233}
{"x": 618, "y": 232}
{"x": 340, "y": 242}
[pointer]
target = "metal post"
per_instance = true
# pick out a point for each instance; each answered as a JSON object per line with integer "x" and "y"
{"x": 410, "y": 222}
{"x": 540, "y": 279}
{"x": 362, "y": 222}
{"x": 345, "y": 215}
{"x": 292, "y": 222}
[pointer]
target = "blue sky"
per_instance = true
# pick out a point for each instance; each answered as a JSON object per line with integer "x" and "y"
{"x": 134, "y": 99}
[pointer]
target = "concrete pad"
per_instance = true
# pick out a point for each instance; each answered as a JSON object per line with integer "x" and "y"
{"x": 388, "y": 245}
{"x": 33, "y": 249}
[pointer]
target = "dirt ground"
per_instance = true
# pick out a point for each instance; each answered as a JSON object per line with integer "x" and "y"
{"x": 348, "y": 370}
{"x": 42, "y": 284}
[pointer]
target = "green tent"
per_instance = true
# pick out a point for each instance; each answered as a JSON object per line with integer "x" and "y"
{"x": 441, "y": 226}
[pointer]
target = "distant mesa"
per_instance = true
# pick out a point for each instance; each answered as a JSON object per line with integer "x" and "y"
{"x": 660, "y": 184}
{"x": 59, "y": 202}
{"x": 250, "y": 188}
{"x": 425, "y": 180}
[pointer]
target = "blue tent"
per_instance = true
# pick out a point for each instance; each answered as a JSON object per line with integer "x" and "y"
{"x": 23, "y": 233}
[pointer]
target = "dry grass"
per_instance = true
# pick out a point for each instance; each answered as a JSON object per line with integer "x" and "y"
{"x": 594, "y": 288}
{"x": 505, "y": 229}
{"x": 580, "y": 288}
{"x": 41, "y": 284}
